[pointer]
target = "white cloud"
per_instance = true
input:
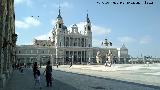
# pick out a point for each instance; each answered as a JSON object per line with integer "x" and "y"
{"x": 44, "y": 36}
{"x": 32, "y": 21}
{"x": 53, "y": 22}
{"x": 28, "y": 43}
{"x": 27, "y": 2}
{"x": 97, "y": 43}
{"x": 27, "y": 23}
{"x": 63, "y": 5}
{"x": 18, "y": 1}
{"x": 96, "y": 30}
{"x": 126, "y": 39}
{"x": 21, "y": 24}
{"x": 145, "y": 40}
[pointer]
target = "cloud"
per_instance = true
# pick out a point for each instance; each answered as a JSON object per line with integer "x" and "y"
{"x": 145, "y": 40}
{"x": 44, "y": 36}
{"x": 126, "y": 39}
{"x": 96, "y": 29}
{"x": 21, "y": 24}
{"x": 27, "y": 23}
{"x": 27, "y": 2}
{"x": 32, "y": 21}
{"x": 53, "y": 22}
{"x": 28, "y": 43}
{"x": 63, "y": 5}
{"x": 97, "y": 43}
{"x": 99, "y": 30}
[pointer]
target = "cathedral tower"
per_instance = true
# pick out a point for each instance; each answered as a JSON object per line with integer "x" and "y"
{"x": 59, "y": 30}
{"x": 88, "y": 31}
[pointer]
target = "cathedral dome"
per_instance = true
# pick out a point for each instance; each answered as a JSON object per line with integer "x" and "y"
{"x": 64, "y": 27}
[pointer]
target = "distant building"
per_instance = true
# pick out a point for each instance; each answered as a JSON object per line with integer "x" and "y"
{"x": 66, "y": 46}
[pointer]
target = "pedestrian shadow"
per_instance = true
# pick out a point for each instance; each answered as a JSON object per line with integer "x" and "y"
{"x": 56, "y": 85}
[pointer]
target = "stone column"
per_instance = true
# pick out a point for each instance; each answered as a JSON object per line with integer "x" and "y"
{"x": 81, "y": 56}
{"x": 80, "y": 42}
{"x": 77, "y": 57}
{"x": 69, "y": 41}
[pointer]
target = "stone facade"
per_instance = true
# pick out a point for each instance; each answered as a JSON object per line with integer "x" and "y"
{"x": 66, "y": 46}
{"x": 7, "y": 40}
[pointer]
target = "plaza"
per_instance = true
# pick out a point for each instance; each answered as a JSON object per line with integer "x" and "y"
{"x": 84, "y": 55}
{"x": 93, "y": 77}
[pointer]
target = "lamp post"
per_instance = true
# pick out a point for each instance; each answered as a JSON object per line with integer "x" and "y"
{"x": 89, "y": 60}
{"x": 107, "y": 43}
{"x": 72, "y": 59}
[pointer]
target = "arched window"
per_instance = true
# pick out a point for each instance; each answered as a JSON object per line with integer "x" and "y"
{"x": 89, "y": 28}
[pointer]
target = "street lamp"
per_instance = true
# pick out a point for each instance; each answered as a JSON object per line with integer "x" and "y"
{"x": 89, "y": 60}
{"x": 72, "y": 59}
{"x": 107, "y": 43}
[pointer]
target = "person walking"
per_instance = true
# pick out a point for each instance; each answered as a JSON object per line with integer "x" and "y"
{"x": 35, "y": 67}
{"x": 70, "y": 64}
{"x": 48, "y": 71}
{"x": 38, "y": 78}
{"x": 57, "y": 65}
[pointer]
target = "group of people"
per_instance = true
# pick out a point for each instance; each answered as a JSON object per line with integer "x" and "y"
{"x": 47, "y": 73}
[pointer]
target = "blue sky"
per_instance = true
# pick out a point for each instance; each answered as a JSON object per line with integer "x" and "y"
{"x": 137, "y": 26}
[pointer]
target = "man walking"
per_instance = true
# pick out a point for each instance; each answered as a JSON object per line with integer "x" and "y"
{"x": 48, "y": 71}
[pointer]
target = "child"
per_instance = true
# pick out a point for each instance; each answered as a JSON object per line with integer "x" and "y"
{"x": 37, "y": 78}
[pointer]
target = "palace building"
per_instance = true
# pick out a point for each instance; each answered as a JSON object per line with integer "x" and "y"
{"x": 67, "y": 46}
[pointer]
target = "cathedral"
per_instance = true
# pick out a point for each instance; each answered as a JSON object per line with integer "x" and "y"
{"x": 67, "y": 46}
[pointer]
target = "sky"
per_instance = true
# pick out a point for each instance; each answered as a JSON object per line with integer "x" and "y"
{"x": 135, "y": 25}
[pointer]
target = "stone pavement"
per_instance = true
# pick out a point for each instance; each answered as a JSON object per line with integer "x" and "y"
{"x": 25, "y": 81}
{"x": 78, "y": 79}
{"x": 135, "y": 76}
{"x": 87, "y": 82}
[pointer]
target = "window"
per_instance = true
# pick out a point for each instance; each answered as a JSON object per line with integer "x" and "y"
{"x": 60, "y": 43}
{"x": 89, "y": 28}
{"x": 59, "y": 25}
{"x": 89, "y": 45}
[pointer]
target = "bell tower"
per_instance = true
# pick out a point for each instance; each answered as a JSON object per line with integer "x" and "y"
{"x": 58, "y": 29}
{"x": 88, "y": 31}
